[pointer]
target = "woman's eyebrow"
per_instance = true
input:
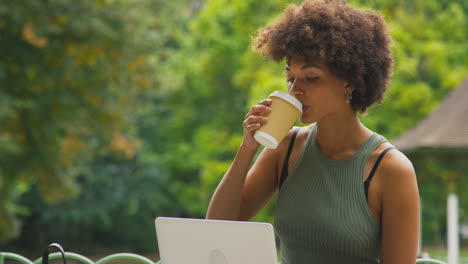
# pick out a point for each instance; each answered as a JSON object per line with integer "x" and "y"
{"x": 304, "y": 67}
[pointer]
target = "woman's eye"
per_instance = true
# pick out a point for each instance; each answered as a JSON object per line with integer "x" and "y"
{"x": 312, "y": 79}
{"x": 290, "y": 81}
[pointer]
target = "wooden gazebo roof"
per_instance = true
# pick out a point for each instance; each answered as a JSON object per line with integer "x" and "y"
{"x": 446, "y": 127}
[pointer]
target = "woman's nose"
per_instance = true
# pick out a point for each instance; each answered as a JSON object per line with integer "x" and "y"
{"x": 294, "y": 89}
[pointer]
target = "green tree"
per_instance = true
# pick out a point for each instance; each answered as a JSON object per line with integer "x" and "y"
{"x": 130, "y": 189}
{"x": 70, "y": 72}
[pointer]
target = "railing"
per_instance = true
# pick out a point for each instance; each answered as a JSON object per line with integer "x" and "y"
{"x": 134, "y": 258}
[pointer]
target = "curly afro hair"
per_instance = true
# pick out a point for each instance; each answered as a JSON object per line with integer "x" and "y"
{"x": 354, "y": 44}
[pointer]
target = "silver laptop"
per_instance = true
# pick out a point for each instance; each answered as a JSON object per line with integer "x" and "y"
{"x": 197, "y": 241}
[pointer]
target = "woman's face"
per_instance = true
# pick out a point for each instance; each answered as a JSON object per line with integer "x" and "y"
{"x": 321, "y": 93}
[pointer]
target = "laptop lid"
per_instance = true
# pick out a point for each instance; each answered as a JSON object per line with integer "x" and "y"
{"x": 197, "y": 241}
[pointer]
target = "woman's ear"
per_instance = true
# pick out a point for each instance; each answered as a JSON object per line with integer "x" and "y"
{"x": 348, "y": 92}
{"x": 348, "y": 88}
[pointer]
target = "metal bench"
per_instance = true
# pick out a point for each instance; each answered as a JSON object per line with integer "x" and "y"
{"x": 132, "y": 258}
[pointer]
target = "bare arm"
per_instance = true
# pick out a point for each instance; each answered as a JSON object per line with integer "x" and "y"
{"x": 400, "y": 211}
{"x": 225, "y": 204}
{"x": 243, "y": 191}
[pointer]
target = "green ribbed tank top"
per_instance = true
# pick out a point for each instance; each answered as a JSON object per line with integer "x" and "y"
{"x": 322, "y": 215}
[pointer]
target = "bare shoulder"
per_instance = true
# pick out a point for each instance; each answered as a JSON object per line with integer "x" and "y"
{"x": 277, "y": 155}
{"x": 397, "y": 173}
{"x": 302, "y": 133}
{"x": 301, "y": 137}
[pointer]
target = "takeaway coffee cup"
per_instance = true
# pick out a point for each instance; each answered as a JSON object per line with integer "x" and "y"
{"x": 285, "y": 110}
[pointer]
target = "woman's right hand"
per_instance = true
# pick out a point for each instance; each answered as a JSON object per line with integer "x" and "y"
{"x": 252, "y": 122}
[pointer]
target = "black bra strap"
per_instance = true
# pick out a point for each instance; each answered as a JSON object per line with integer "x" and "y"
{"x": 374, "y": 169}
{"x": 284, "y": 171}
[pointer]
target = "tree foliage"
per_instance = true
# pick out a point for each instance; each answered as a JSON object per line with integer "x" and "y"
{"x": 69, "y": 74}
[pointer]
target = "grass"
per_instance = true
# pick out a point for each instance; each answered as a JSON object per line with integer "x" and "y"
{"x": 441, "y": 254}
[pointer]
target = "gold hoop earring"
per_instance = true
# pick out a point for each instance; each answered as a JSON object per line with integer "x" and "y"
{"x": 349, "y": 97}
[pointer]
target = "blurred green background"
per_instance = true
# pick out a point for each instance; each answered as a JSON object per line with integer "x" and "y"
{"x": 114, "y": 112}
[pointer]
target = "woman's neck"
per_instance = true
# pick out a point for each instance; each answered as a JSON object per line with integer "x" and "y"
{"x": 339, "y": 137}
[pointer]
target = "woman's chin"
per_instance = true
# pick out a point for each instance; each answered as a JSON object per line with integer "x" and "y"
{"x": 307, "y": 120}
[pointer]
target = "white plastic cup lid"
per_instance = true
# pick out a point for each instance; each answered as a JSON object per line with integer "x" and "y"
{"x": 287, "y": 97}
{"x": 266, "y": 140}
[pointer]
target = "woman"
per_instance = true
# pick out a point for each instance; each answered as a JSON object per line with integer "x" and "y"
{"x": 345, "y": 194}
